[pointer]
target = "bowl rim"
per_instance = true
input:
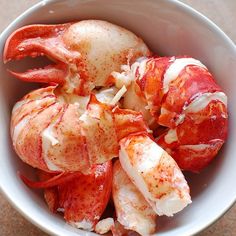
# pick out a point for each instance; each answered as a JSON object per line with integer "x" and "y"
{"x": 186, "y": 8}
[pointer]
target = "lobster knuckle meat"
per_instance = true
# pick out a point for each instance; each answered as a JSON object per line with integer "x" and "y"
{"x": 155, "y": 174}
{"x": 85, "y": 200}
{"x": 119, "y": 230}
{"x": 132, "y": 210}
{"x": 128, "y": 122}
{"x": 85, "y": 53}
{"x": 99, "y": 130}
{"x": 135, "y": 101}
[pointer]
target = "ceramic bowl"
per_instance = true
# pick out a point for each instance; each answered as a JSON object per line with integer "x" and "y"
{"x": 169, "y": 28}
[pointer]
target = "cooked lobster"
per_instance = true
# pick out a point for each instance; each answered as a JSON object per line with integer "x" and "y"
{"x": 105, "y": 97}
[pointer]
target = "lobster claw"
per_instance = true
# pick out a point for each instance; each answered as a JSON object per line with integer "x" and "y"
{"x": 39, "y": 40}
{"x": 78, "y": 50}
{"x": 50, "y": 74}
{"x": 32, "y": 40}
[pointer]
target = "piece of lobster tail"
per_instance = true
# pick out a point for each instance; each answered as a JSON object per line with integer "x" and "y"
{"x": 155, "y": 174}
{"x": 182, "y": 96}
{"x": 82, "y": 199}
{"x": 42, "y": 136}
{"x": 84, "y": 53}
{"x": 55, "y": 132}
{"x": 132, "y": 210}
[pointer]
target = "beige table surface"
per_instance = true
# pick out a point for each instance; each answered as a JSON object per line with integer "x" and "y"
{"x": 222, "y": 12}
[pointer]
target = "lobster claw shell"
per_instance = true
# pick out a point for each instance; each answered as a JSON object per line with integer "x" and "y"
{"x": 39, "y": 40}
{"x": 31, "y": 41}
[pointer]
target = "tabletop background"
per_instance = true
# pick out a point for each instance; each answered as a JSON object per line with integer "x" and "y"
{"x": 219, "y": 11}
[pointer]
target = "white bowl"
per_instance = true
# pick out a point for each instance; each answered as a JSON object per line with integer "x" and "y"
{"x": 169, "y": 28}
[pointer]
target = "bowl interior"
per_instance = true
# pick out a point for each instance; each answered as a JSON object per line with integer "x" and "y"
{"x": 168, "y": 28}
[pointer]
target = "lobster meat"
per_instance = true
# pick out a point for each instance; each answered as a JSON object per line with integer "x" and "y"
{"x": 83, "y": 198}
{"x": 85, "y": 53}
{"x": 107, "y": 97}
{"x": 131, "y": 208}
{"x": 54, "y": 113}
{"x": 54, "y": 136}
{"x": 155, "y": 174}
{"x": 181, "y": 94}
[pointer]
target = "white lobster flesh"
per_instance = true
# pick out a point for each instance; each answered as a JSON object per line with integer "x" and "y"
{"x": 61, "y": 136}
{"x": 155, "y": 174}
{"x": 132, "y": 210}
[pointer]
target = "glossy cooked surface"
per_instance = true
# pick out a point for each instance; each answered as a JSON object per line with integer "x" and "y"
{"x": 222, "y": 13}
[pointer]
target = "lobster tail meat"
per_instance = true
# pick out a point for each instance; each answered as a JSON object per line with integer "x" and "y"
{"x": 201, "y": 105}
{"x": 56, "y": 132}
{"x": 155, "y": 174}
{"x": 42, "y": 135}
{"x": 181, "y": 93}
{"x": 196, "y": 157}
{"x": 132, "y": 210}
